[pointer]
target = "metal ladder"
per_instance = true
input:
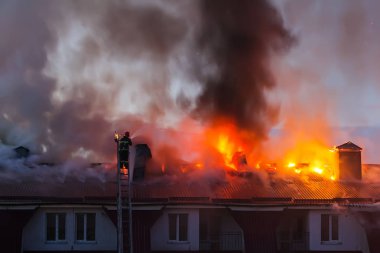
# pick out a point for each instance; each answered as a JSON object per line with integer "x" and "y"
{"x": 124, "y": 205}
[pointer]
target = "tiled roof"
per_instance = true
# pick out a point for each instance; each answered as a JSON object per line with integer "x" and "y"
{"x": 252, "y": 191}
{"x": 271, "y": 190}
{"x": 69, "y": 190}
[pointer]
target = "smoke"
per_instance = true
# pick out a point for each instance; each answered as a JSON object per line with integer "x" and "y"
{"x": 53, "y": 98}
{"x": 73, "y": 72}
{"x": 239, "y": 40}
{"x": 24, "y": 90}
{"x": 327, "y": 83}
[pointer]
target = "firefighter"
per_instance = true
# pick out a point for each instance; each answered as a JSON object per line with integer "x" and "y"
{"x": 124, "y": 144}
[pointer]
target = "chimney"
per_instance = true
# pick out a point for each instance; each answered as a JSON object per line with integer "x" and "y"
{"x": 239, "y": 160}
{"x": 350, "y": 162}
{"x": 21, "y": 152}
{"x": 143, "y": 155}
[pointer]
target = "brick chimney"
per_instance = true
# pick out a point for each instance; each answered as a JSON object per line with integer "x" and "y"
{"x": 350, "y": 162}
{"x": 143, "y": 155}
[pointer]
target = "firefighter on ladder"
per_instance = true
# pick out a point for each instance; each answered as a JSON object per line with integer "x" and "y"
{"x": 124, "y": 144}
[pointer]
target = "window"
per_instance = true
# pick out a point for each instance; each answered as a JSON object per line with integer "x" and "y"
{"x": 55, "y": 226}
{"x": 329, "y": 227}
{"x": 298, "y": 229}
{"x": 85, "y": 226}
{"x": 178, "y": 227}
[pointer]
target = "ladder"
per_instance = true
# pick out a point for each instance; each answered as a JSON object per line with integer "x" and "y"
{"x": 124, "y": 205}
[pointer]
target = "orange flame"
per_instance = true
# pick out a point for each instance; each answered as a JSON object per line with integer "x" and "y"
{"x": 225, "y": 139}
{"x": 315, "y": 159}
{"x": 216, "y": 146}
{"x": 124, "y": 170}
{"x": 163, "y": 168}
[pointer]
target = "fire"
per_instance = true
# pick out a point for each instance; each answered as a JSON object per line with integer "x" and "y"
{"x": 163, "y": 169}
{"x": 124, "y": 170}
{"x": 199, "y": 166}
{"x": 224, "y": 145}
{"x": 316, "y": 159}
{"x": 318, "y": 170}
{"x": 227, "y": 148}
{"x": 226, "y": 140}
{"x": 309, "y": 158}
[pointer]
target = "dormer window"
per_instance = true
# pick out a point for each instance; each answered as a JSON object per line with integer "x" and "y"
{"x": 55, "y": 227}
{"x": 85, "y": 227}
{"x": 178, "y": 224}
{"x": 329, "y": 228}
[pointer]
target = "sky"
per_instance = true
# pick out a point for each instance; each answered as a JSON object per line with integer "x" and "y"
{"x": 73, "y": 72}
{"x": 335, "y": 58}
{"x": 332, "y": 71}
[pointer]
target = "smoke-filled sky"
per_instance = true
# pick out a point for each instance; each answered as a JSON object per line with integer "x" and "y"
{"x": 72, "y": 72}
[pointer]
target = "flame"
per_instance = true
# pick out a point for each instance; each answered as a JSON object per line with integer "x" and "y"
{"x": 318, "y": 170}
{"x": 228, "y": 148}
{"x": 315, "y": 159}
{"x": 163, "y": 168}
{"x": 226, "y": 140}
{"x": 199, "y": 166}
{"x": 124, "y": 170}
{"x": 216, "y": 146}
{"x": 306, "y": 157}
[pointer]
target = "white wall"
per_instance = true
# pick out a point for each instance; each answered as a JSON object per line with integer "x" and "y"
{"x": 34, "y": 233}
{"x": 228, "y": 224}
{"x": 351, "y": 234}
{"x": 160, "y": 231}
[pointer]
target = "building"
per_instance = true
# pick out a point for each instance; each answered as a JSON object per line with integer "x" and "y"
{"x": 188, "y": 213}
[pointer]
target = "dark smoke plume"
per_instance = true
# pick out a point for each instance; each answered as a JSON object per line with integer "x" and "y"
{"x": 239, "y": 37}
{"x": 66, "y": 68}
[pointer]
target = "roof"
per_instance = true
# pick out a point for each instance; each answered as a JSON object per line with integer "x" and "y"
{"x": 251, "y": 190}
{"x": 190, "y": 188}
{"x": 68, "y": 191}
{"x": 349, "y": 145}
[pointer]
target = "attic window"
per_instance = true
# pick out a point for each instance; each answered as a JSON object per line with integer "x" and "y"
{"x": 55, "y": 227}
{"x": 329, "y": 228}
{"x": 178, "y": 224}
{"x": 85, "y": 226}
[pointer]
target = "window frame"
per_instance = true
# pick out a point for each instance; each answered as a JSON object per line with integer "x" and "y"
{"x": 57, "y": 227}
{"x": 85, "y": 227}
{"x": 332, "y": 223}
{"x": 184, "y": 222}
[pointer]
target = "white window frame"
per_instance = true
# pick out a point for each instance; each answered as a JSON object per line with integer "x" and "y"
{"x": 85, "y": 214}
{"x": 56, "y": 225}
{"x": 177, "y": 229}
{"x": 330, "y": 229}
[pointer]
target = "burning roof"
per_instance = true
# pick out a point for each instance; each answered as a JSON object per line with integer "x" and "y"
{"x": 191, "y": 188}
{"x": 66, "y": 113}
